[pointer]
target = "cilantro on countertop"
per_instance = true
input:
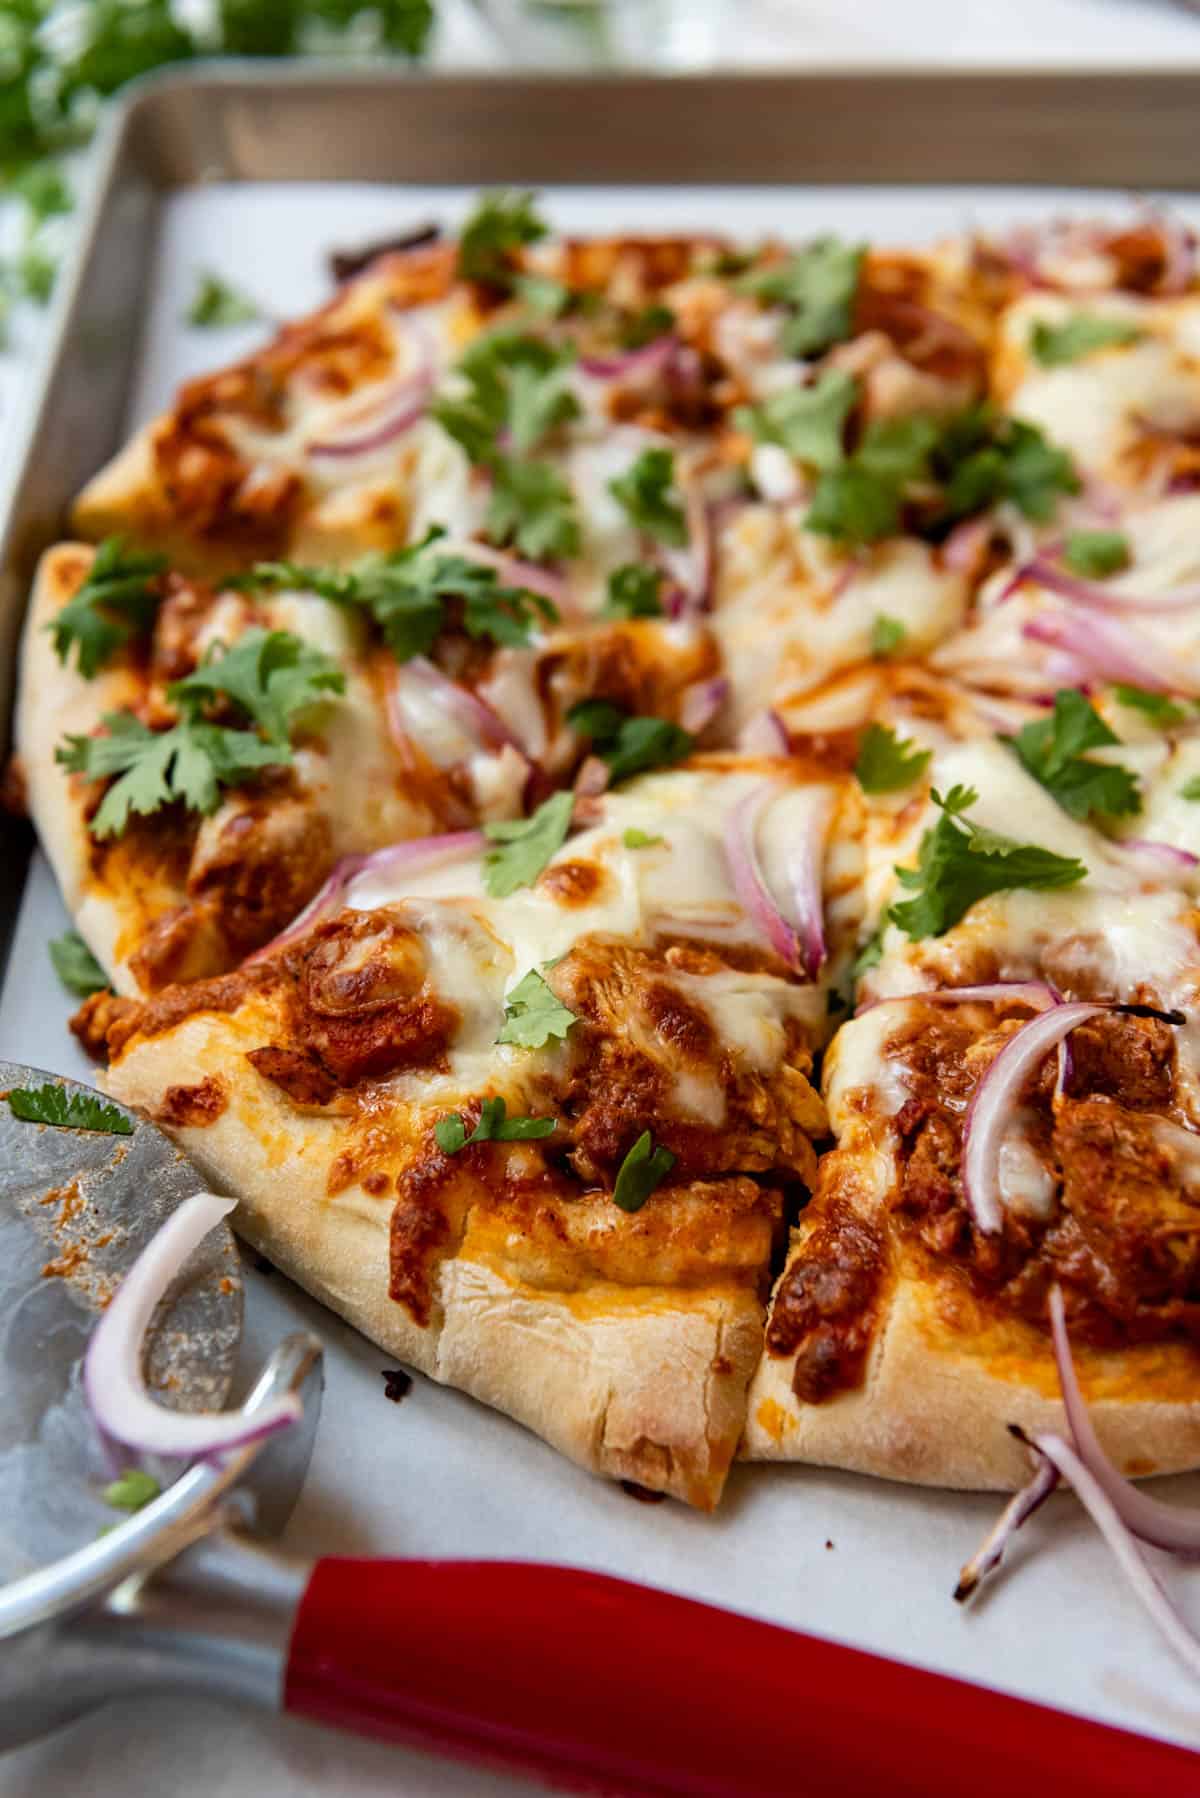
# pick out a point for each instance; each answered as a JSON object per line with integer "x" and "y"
{"x": 808, "y": 422}
{"x": 643, "y": 1168}
{"x": 271, "y": 675}
{"x": 216, "y": 305}
{"x": 1156, "y": 707}
{"x": 629, "y": 745}
{"x": 887, "y": 636}
{"x": 1082, "y": 334}
{"x": 525, "y": 845}
{"x": 959, "y": 862}
{"x": 648, "y": 495}
{"x": 406, "y": 592}
{"x": 501, "y": 224}
{"x": 1052, "y": 750}
{"x": 132, "y": 1490}
{"x": 493, "y": 1126}
{"x": 633, "y": 591}
{"x": 533, "y": 1014}
{"x": 53, "y": 1104}
{"x": 76, "y": 966}
{"x": 887, "y": 763}
{"x": 1093, "y": 554}
{"x": 116, "y": 601}
{"x": 818, "y": 286}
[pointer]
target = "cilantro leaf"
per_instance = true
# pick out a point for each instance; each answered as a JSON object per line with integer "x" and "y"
{"x": 808, "y": 422}
{"x": 190, "y": 763}
{"x": 860, "y": 499}
{"x": 271, "y": 675}
{"x": 887, "y": 763}
{"x": 646, "y": 326}
{"x": 869, "y": 956}
{"x": 818, "y": 286}
{"x": 629, "y": 745}
{"x": 1080, "y": 335}
{"x": 215, "y": 305}
{"x": 643, "y": 1168}
{"x": 1155, "y": 706}
{"x": 517, "y": 392}
{"x": 532, "y": 506}
{"x": 984, "y": 457}
{"x": 76, "y": 966}
{"x": 116, "y": 601}
{"x": 959, "y": 863}
{"x": 640, "y": 839}
{"x": 53, "y": 1104}
{"x": 493, "y": 1126}
{"x": 525, "y": 845}
{"x": 1052, "y": 750}
{"x": 647, "y": 492}
{"x": 1094, "y": 554}
{"x": 533, "y": 1014}
{"x": 501, "y": 224}
{"x": 131, "y": 1490}
{"x": 887, "y": 635}
{"x": 1191, "y": 788}
{"x": 633, "y": 591}
{"x": 542, "y": 294}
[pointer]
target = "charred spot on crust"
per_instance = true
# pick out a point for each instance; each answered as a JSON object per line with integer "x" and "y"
{"x": 574, "y": 883}
{"x": 826, "y": 1305}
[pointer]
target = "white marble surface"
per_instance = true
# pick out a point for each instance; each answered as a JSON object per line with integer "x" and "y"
{"x": 180, "y": 1749}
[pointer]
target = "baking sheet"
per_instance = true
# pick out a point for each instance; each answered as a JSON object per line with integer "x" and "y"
{"x": 862, "y": 1561}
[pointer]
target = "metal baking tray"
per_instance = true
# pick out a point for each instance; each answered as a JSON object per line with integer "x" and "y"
{"x": 839, "y": 1556}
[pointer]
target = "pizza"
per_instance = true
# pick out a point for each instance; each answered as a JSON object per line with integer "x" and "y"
{"x": 637, "y": 802}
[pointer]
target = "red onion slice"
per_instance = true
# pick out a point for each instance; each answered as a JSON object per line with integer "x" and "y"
{"x": 1169, "y": 854}
{"x": 1140, "y": 1576}
{"x": 1165, "y": 1526}
{"x": 1105, "y": 599}
{"x": 995, "y": 1099}
{"x": 413, "y": 855}
{"x": 470, "y": 716}
{"x": 1037, "y": 993}
{"x": 805, "y": 867}
{"x": 741, "y": 827}
{"x": 691, "y": 569}
{"x": 112, "y": 1368}
{"x": 1105, "y": 652}
{"x": 966, "y": 546}
{"x": 764, "y": 734}
{"x": 700, "y": 703}
{"x": 630, "y": 365}
{"x": 512, "y": 570}
{"x": 391, "y": 413}
{"x": 1019, "y": 1508}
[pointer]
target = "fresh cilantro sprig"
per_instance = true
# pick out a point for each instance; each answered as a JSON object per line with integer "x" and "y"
{"x": 514, "y": 393}
{"x": 633, "y": 592}
{"x": 532, "y": 508}
{"x": 637, "y": 329}
{"x": 649, "y": 497}
{"x": 1094, "y": 554}
{"x": 888, "y": 763}
{"x": 533, "y": 1014}
{"x": 1053, "y": 751}
{"x": 407, "y": 592}
{"x": 1190, "y": 788}
{"x": 502, "y": 224}
{"x": 115, "y": 602}
{"x": 808, "y": 422}
{"x": 629, "y": 745}
{"x": 643, "y": 1169}
{"x": 493, "y": 1126}
{"x": 817, "y": 286}
{"x": 523, "y": 846}
{"x": 270, "y": 675}
{"x": 216, "y": 304}
{"x": 1158, "y": 708}
{"x": 1082, "y": 334}
{"x": 959, "y": 862}
{"x": 53, "y": 1104}
{"x": 76, "y": 966}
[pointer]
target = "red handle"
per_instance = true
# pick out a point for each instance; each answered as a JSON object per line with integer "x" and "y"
{"x": 599, "y": 1684}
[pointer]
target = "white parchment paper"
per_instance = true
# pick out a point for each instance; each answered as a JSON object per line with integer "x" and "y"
{"x": 840, "y": 1556}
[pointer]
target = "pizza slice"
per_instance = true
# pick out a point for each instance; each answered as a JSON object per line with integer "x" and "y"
{"x": 1015, "y": 1106}
{"x": 534, "y": 1119}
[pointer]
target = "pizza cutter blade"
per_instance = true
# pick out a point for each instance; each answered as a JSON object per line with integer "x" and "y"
{"x": 594, "y": 1683}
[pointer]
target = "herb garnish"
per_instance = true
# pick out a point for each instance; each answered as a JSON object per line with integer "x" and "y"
{"x": 629, "y": 745}
{"x": 644, "y": 1168}
{"x": 493, "y": 1126}
{"x": 634, "y": 838}
{"x": 887, "y": 763}
{"x": 808, "y": 422}
{"x": 959, "y": 862}
{"x": 633, "y": 591}
{"x": 1080, "y": 335}
{"x": 647, "y": 492}
{"x": 1052, "y": 750}
{"x": 517, "y": 393}
{"x": 818, "y": 287}
{"x": 132, "y": 1490}
{"x": 533, "y": 1014}
{"x": 116, "y": 601}
{"x": 1155, "y": 706}
{"x": 532, "y": 507}
{"x": 501, "y": 224}
{"x": 1093, "y": 554}
{"x": 53, "y": 1104}
{"x": 216, "y": 305}
{"x": 887, "y": 636}
{"x": 76, "y": 966}
{"x": 525, "y": 845}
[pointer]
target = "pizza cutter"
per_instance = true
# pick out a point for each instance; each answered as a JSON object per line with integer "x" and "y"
{"x": 591, "y": 1683}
